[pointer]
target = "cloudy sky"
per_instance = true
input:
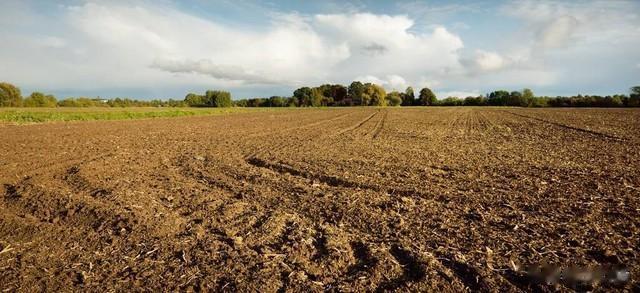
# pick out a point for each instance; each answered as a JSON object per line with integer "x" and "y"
{"x": 164, "y": 49}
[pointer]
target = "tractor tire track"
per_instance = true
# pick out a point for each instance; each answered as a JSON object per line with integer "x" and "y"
{"x": 358, "y": 125}
{"x": 281, "y": 143}
{"x": 380, "y": 125}
{"x": 577, "y": 129}
{"x": 334, "y": 181}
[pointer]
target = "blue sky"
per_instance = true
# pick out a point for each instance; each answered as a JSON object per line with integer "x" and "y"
{"x": 165, "y": 49}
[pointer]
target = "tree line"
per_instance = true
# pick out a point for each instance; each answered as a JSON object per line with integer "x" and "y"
{"x": 329, "y": 95}
{"x": 368, "y": 94}
{"x": 337, "y": 95}
{"x": 10, "y": 96}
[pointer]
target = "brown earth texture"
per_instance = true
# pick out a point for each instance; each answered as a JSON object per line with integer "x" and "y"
{"x": 302, "y": 200}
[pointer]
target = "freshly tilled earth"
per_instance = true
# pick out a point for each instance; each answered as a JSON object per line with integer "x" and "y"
{"x": 357, "y": 199}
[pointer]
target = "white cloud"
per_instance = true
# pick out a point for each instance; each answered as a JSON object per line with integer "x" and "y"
{"x": 435, "y": 13}
{"x": 487, "y": 61}
{"x": 390, "y": 82}
{"x": 459, "y": 94}
{"x": 397, "y": 82}
{"x": 52, "y": 42}
{"x": 147, "y": 45}
{"x": 166, "y": 39}
{"x": 427, "y": 82}
{"x": 204, "y": 66}
{"x": 371, "y": 79}
{"x": 559, "y": 32}
{"x": 155, "y": 45}
{"x": 382, "y": 45}
{"x": 557, "y": 45}
{"x": 558, "y": 23}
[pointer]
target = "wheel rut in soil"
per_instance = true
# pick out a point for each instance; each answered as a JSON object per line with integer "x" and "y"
{"x": 569, "y": 127}
{"x": 413, "y": 269}
{"x": 80, "y": 184}
{"x": 380, "y": 125}
{"x": 334, "y": 181}
{"x": 359, "y": 124}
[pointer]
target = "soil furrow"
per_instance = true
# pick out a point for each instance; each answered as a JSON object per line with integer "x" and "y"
{"x": 359, "y": 124}
{"x": 427, "y": 199}
{"x": 380, "y": 125}
{"x": 599, "y": 134}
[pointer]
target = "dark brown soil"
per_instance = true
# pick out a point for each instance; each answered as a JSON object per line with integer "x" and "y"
{"x": 359, "y": 199}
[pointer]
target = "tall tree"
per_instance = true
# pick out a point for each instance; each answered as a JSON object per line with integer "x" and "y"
{"x": 339, "y": 93}
{"x": 317, "y": 98}
{"x": 527, "y": 98}
{"x": 303, "y": 95}
{"x": 9, "y": 95}
{"x": 355, "y": 92}
{"x": 394, "y": 98}
{"x": 37, "y": 99}
{"x": 427, "y": 97}
{"x": 276, "y": 101}
{"x": 514, "y": 99}
{"x": 408, "y": 98}
{"x": 374, "y": 95}
{"x": 194, "y": 100}
{"x": 498, "y": 98}
{"x": 218, "y": 99}
{"x": 634, "y": 97}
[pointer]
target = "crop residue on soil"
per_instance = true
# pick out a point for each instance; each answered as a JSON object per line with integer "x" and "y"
{"x": 360, "y": 199}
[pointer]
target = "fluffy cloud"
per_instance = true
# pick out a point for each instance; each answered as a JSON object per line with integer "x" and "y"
{"x": 459, "y": 94}
{"x": 204, "y": 66}
{"x": 146, "y": 44}
{"x": 382, "y": 45}
{"x": 484, "y": 61}
{"x": 164, "y": 50}
{"x": 558, "y": 24}
{"x": 390, "y": 82}
{"x": 558, "y": 32}
{"x": 569, "y": 39}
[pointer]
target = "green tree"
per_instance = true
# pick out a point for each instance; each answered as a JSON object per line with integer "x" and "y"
{"x": 304, "y": 96}
{"x": 474, "y": 101}
{"x": 498, "y": 98}
{"x": 317, "y": 98}
{"x": 514, "y": 99}
{"x": 256, "y": 102}
{"x": 538, "y": 102}
{"x": 394, "y": 98}
{"x": 218, "y": 99}
{"x": 276, "y": 101}
{"x": 355, "y": 92}
{"x": 634, "y": 97}
{"x": 291, "y": 102}
{"x": 340, "y": 95}
{"x": 37, "y": 99}
{"x": 374, "y": 95}
{"x": 451, "y": 101}
{"x": 194, "y": 100}
{"x": 527, "y": 98}
{"x": 427, "y": 97}
{"x": 409, "y": 98}
{"x": 10, "y": 95}
{"x": 240, "y": 103}
{"x": 614, "y": 101}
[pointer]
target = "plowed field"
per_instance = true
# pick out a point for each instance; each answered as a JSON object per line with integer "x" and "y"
{"x": 358, "y": 199}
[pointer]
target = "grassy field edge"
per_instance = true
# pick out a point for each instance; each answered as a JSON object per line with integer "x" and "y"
{"x": 41, "y": 115}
